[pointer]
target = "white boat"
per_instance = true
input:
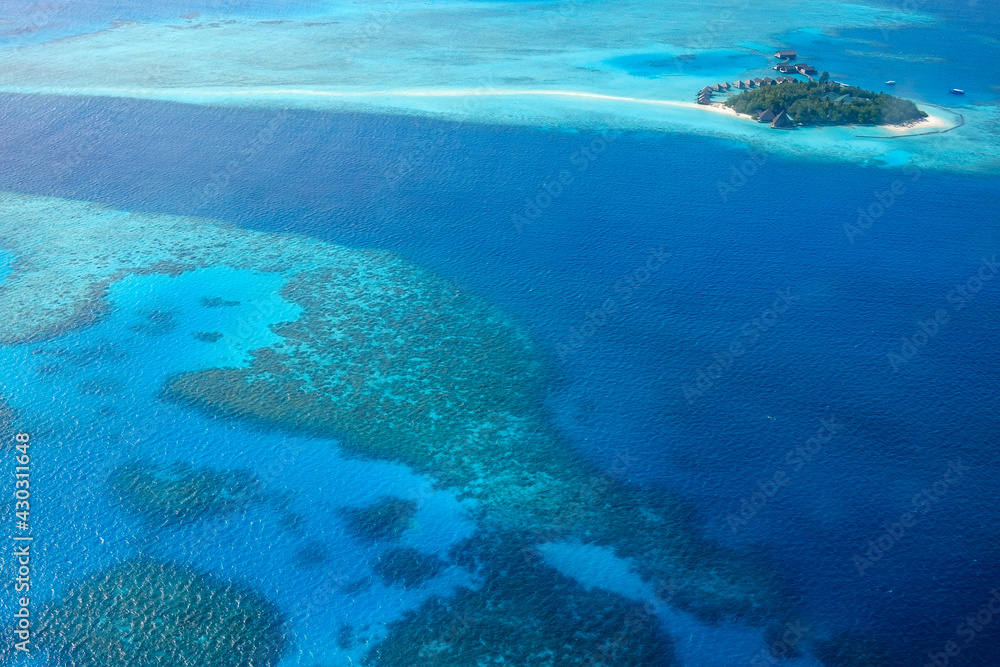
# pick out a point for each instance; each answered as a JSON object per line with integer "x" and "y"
{"x": 957, "y": 91}
{"x": 890, "y": 83}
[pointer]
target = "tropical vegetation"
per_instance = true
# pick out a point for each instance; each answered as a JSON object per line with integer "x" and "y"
{"x": 826, "y": 102}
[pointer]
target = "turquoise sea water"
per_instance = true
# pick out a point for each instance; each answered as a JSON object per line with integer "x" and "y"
{"x": 633, "y": 280}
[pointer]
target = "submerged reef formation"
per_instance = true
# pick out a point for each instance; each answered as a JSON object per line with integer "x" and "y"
{"x": 157, "y": 614}
{"x": 524, "y": 614}
{"x": 384, "y": 521}
{"x": 396, "y": 363}
{"x": 207, "y": 336}
{"x": 180, "y": 493}
{"x": 407, "y": 567}
{"x": 312, "y": 554}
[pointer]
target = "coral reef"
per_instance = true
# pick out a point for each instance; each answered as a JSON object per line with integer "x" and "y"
{"x": 394, "y": 362}
{"x": 155, "y": 323}
{"x": 217, "y": 302}
{"x": 524, "y": 614}
{"x": 156, "y": 614}
{"x": 207, "y": 336}
{"x": 407, "y": 567}
{"x": 311, "y": 554}
{"x": 179, "y": 493}
{"x": 384, "y": 521}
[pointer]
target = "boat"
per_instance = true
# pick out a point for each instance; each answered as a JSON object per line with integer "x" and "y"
{"x": 957, "y": 91}
{"x": 890, "y": 83}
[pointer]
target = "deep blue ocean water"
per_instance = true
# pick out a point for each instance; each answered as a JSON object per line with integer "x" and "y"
{"x": 622, "y": 388}
{"x": 446, "y": 195}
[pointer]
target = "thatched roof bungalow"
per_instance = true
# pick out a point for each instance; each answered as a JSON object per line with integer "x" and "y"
{"x": 782, "y": 121}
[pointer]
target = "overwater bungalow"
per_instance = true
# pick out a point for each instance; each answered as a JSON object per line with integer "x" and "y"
{"x": 782, "y": 121}
{"x": 768, "y": 81}
{"x": 785, "y": 68}
{"x": 804, "y": 68}
{"x": 704, "y": 99}
{"x": 765, "y": 116}
{"x": 786, "y": 54}
{"x": 758, "y": 81}
{"x": 716, "y": 87}
{"x": 724, "y": 85}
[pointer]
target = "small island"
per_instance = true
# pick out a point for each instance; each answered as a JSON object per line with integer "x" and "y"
{"x": 823, "y": 102}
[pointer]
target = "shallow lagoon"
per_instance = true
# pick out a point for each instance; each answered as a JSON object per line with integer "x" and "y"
{"x": 357, "y": 58}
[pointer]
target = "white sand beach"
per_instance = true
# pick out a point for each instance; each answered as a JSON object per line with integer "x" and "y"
{"x": 934, "y": 121}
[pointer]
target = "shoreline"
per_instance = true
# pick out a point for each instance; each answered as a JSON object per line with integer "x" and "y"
{"x": 932, "y": 121}
{"x": 579, "y": 109}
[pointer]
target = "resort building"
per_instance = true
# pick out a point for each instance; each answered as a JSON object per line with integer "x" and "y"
{"x": 786, "y": 54}
{"x": 782, "y": 121}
